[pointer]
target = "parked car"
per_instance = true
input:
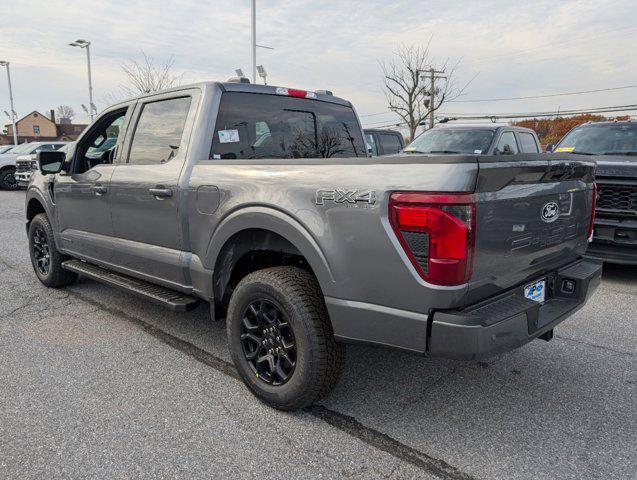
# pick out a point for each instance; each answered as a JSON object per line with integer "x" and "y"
{"x": 384, "y": 142}
{"x": 8, "y": 161}
{"x": 26, "y": 164}
{"x": 613, "y": 145}
{"x": 5, "y": 148}
{"x": 302, "y": 242}
{"x": 475, "y": 139}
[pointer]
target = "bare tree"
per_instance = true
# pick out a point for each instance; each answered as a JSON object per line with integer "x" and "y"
{"x": 65, "y": 114}
{"x": 407, "y": 88}
{"x": 147, "y": 77}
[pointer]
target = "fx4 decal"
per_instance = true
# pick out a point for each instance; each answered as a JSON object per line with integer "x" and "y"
{"x": 344, "y": 196}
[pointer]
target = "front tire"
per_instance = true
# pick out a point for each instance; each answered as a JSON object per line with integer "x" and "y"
{"x": 281, "y": 339}
{"x": 45, "y": 257}
{"x": 7, "y": 179}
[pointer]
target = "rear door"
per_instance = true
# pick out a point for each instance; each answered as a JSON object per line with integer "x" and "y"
{"x": 146, "y": 194}
{"x": 390, "y": 143}
{"x": 507, "y": 143}
{"x": 528, "y": 144}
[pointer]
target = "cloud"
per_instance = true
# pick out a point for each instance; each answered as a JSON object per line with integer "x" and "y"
{"x": 514, "y": 48}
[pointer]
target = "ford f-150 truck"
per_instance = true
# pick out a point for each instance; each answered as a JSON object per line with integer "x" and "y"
{"x": 613, "y": 147}
{"x": 262, "y": 201}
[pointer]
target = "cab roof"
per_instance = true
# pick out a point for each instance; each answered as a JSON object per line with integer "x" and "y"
{"x": 241, "y": 86}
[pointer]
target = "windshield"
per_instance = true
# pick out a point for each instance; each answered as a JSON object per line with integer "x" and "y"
{"x": 24, "y": 148}
{"x": 452, "y": 140}
{"x": 607, "y": 138}
{"x": 267, "y": 126}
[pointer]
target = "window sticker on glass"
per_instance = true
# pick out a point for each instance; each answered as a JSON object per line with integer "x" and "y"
{"x": 229, "y": 136}
{"x": 477, "y": 152}
{"x": 564, "y": 149}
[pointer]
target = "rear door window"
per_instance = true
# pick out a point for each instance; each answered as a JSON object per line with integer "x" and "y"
{"x": 528, "y": 143}
{"x": 158, "y": 132}
{"x": 390, "y": 143}
{"x": 507, "y": 138}
{"x": 253, "y": 126}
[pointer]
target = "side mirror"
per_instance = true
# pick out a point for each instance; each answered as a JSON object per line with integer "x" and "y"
{"x": 550, "y": 148}
{"x": 51, "y": 162}
{"x": 506, "y": 150}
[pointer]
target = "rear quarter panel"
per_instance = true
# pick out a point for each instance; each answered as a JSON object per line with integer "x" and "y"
{"x": 358, "y": 256}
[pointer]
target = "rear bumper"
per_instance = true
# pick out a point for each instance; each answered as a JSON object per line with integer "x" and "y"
{"x": 509, "y": 320}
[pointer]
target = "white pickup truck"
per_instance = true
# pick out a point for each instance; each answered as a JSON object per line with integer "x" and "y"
{"x": 8, "y": 161}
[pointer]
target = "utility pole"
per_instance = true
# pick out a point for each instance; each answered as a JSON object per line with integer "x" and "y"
{"x": 13, "y": 114}
{"x": 254, "y": 41}
{"x": 433, "y": 76}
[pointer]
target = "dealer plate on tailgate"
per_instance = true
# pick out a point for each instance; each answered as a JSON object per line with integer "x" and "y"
{"x": 536, "y": 291}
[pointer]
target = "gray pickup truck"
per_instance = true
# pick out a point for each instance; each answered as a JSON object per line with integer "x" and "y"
{"x": 613, "y": 147}
{"x": 263, "y": 202}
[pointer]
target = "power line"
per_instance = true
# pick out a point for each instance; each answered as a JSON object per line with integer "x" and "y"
{"x": 513, "y": 116}
{"x": 495, "y": 117}
{"x": 545, "y": 112}
{"x": 550, "y": 95}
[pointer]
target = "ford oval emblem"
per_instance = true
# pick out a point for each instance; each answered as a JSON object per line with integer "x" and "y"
{"x": 550, "y": 212}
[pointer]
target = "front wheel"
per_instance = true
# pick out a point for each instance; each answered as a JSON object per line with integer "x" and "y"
{"x": 7, "y": 179}
{"x": 281, "y": 339}
{"x": 45, "y": 257}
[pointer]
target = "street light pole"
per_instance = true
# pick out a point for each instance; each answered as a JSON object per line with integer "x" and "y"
{"x": 86, "y": 44}
{"x": 90, "y": 80}
{"x": 13, "y": 114}
{"x": 254, "y": 41}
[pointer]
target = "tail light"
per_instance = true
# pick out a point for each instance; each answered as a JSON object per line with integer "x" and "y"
{"x": 437, "y": 232}
{"x": 593, "y": 206}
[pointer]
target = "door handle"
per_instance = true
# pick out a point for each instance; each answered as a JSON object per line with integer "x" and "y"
{"x": 160, "y": 192}
{"x": 99, "y": 189}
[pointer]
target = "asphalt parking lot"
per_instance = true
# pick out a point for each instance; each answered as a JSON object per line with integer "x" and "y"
{"x": 96, "y": 383}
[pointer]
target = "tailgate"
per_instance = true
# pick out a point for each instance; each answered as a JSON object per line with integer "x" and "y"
{"x": 532, "y": 217}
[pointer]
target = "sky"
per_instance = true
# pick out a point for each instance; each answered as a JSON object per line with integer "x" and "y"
{"x": 505, "y": 48}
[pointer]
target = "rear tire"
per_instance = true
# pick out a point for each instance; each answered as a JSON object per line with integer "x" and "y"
{"x": 45, "y": 257}
{"x": 7, "y": 179}
{"x": 280, "y": 313}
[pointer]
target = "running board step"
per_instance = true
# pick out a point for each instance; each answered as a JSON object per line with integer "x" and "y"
{"x": 162, "y": 296}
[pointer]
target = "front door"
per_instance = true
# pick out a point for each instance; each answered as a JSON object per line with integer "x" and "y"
{"x": 82, "y": 194}
{"x": 145, "y": 191}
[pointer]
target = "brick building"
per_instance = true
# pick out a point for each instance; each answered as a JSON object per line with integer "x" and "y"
{"x": 36, "y": 127}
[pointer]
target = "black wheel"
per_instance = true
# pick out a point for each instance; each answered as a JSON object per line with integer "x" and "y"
{"x": 7, "y": 179}
{"x": 281, "y": 339}
{"x": 45, "y": 258}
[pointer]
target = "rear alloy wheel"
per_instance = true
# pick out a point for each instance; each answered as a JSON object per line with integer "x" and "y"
{"x": 7, "y": 179}
{"x": 268, "y": 342}
{"x": 281, "y": 339}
